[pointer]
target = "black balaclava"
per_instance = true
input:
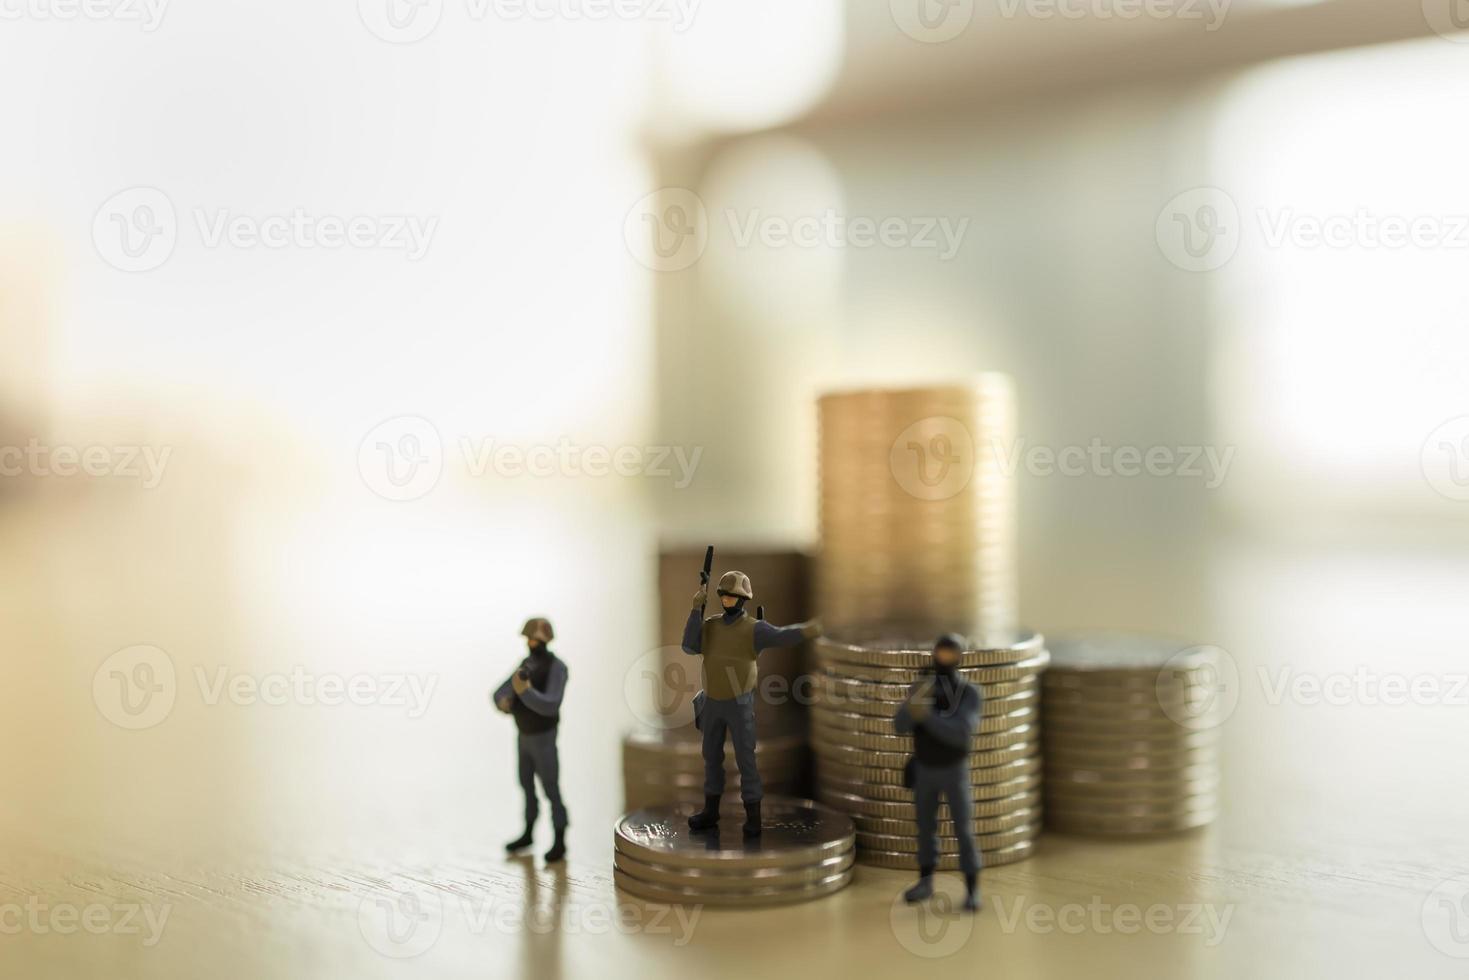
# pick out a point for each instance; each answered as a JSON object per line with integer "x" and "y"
{"x": 538, "y": 649}
{"x": 734, "y": 611}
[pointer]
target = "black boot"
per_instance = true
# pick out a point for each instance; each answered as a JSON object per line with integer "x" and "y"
{"x": 558, "y": 849}
{"x": 707, "y": 817}
{"x": 521, "y": 842}
{"x": 923, "y": 890}
{"x": 972, "y": 902}
{"x": 752, "y": 819}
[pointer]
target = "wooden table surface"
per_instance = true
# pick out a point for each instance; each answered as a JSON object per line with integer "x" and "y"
{"x": 239, "y": 837}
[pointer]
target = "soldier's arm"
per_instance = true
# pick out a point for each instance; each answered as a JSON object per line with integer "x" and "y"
{"x": 956, "y": 727}
{"x": 504, "y": 691}
{"x": 767, "y": 635}
{"x": 903, "y": 720}
{"x": 547, "y": 702}
{"x": 693, "y": 634}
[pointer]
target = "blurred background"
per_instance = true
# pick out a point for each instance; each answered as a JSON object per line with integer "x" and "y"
{"x": 336, "y": 340}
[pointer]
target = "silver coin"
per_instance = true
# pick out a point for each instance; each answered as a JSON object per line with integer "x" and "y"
{"x": 668, "y": 895}
{"x": 794, "y": 832}
{"x": 741, "y": 880}
{"x": 947, "y": 844}
{"x": 1121, "y": 654}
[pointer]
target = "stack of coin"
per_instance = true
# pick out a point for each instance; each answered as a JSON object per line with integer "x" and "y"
{"x": 917, "y": 510}
{"x": 668, "y": 767}
{"x": 805, "y": 851}
{"x": 1130, "y": 736}
{"x": 860, "y": 758}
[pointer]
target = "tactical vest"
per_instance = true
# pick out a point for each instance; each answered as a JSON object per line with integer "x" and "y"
{"x": 729, "y": 656}
{"x": 530, "y": 722}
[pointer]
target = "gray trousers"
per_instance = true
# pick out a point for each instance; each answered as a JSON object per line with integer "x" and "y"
{"x": 953, "y": 783}
{"x": 538, "y": 759}
{"x": 737, "y": 717}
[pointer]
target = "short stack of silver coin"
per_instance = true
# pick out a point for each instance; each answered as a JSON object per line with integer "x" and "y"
{"x": 805, "y": 851}
{"x": 1131, "y": 736}
{"x": 860, "y": 757}
{"x": 668, "y": 767}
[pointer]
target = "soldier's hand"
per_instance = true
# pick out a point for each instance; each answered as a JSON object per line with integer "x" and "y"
{"x": 504, "y": 705}
{"x": 812, "y": 629}
{"x": 701, "y": 598}
{"x": 918, "y": 709}
{"x": 520, "y": 684}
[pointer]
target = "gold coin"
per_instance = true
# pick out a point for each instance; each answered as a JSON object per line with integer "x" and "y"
{"x": 905, "y": 676}
{"x": 1026, "y": 798}
{"x": 742, "y": 880}
{"x": 1100, "y": 825}
{"x": 907, "y": 860}
{"x": 908, "y": 827}
{"x": 1010, "y": 712}
{"x": 876, "y": 652}
{"x": 827, "y": 753}
{"x": 832, "y": 736}
{"x": 1107, "y": 761}
{"x": 835, "y": 772}
{"x": 947, "y": 844}
{"x": 999, "y": 790}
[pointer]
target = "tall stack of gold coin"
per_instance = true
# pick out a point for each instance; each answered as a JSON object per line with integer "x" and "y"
{"x": 1131, "y": 735}
{"x": 917, "y": 510}
{"x": 860, "y": 758}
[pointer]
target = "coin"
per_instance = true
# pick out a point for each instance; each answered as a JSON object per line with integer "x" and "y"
{"x": 998, "y": 790}
{"x": 1103, "y": 807}
{"x": 877, "y": 651}
{"x": 1098, "y": 824}
{"x": 1122, "y": 655}
{"x": 906, "y": 676}
{"x": 1183, "y": 758}
{"x": 740, "y": 880}
{"x": 1011, "y": 711}
{"x": 671, "y": 895}
{"x": 1125, "y": 743}
{"x": 1059, "y": 791}
{"x": 947, "y": 844}
{"x": 794, "y": 832}
{"x": 908, "y": 826}
{"x": 846, "y": 694}
{"x": 827, "y": 753}
{"x": 904, "y": 743}
{"x": 835, "y": 772}
{"x": 907, "y": 860}
{"x": 1062, "y": 775}
{"x": 1025, "y": 799}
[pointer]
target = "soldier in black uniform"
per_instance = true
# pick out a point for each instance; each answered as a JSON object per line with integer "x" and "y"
{"x": 532, "y": 695}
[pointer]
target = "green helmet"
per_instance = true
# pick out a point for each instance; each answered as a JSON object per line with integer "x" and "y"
{"x": 735, "y": 583}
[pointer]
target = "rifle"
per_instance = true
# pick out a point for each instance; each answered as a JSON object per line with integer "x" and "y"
{"x": 704, "y": 577}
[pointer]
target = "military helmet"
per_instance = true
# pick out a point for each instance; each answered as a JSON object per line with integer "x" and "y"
{"x": 537, "y": 628}
{"x": 735, "y": 583}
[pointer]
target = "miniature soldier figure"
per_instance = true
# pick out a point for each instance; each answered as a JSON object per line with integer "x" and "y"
{"x": 942, "y": 713}
{"x": 729, "y": 643}
{"x": 532, "y": 695}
